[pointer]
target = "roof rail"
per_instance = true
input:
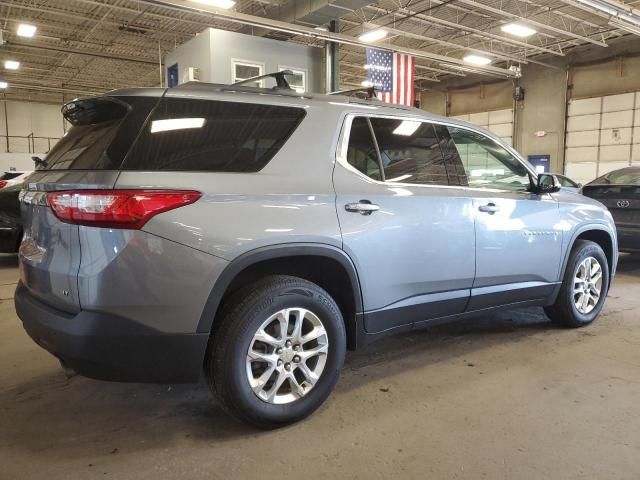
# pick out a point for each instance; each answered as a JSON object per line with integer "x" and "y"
{"x": 370, "y": 91}
{"x": 281, "y": 81}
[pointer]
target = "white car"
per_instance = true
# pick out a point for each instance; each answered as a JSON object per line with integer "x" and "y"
{"x": 13, "y": 178}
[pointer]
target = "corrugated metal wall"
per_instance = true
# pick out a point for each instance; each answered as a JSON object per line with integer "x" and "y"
{"x": 603, "y": 134}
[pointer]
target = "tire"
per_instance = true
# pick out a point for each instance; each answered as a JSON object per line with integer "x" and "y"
{"x": 228, "y": 368}
{"x": 565, "y": 311}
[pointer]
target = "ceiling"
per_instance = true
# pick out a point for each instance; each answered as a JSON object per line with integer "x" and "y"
{"x": 91, "y": 46}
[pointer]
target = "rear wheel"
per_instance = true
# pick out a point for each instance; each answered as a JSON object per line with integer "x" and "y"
{"x": 584, "y": 287}
{"x": 277, "y": 352}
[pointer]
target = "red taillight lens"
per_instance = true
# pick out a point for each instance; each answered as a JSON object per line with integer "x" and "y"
{"x": 129, "y": 209}
{"x": 3, "y": 183}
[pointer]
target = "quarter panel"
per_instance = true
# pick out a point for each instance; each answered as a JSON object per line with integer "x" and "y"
{"x": 152, "y": 281}
{"x": 291, "y": 200}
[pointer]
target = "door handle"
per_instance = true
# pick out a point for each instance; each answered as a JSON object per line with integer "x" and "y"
{"x": 363, "y": 207}
{"x": 489, "y": 208}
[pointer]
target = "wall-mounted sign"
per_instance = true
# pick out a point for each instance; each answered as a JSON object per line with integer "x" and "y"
{"x": 542, "y": 163}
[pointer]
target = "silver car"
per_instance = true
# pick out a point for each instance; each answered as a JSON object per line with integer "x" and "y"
{"x": 260, "y": 233}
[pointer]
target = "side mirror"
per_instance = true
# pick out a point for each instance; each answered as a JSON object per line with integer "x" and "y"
{"x": 547, "y": 183}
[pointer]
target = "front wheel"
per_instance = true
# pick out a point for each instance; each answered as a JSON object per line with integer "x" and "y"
{"x": 584, "y": 287}
{"x": 278, "y": 351}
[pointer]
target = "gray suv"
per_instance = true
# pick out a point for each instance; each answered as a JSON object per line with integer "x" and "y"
{"x": 257, "y": 234}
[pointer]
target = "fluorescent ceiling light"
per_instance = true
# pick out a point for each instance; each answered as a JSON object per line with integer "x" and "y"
{"x": 176, "y": 124}
{"x": 11, "y": 65}
{"x": 477, "y": 60}
{"x": 407, "y": 128}
{"x": 518, "y": 30}
{"x": 226, "y": 4}
{"x": 373, "y": 35}
{"x": 26, "y": 30}
{"x": 3, "y": 85}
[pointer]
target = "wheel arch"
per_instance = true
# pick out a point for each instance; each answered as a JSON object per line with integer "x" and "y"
{"x": 598, "y": 234}
{"x": 328, "y": 266}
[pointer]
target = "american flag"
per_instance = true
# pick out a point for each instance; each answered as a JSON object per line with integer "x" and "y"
{"x": 392, "y": 75}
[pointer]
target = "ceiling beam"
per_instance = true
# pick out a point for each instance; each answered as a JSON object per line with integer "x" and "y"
{"x": 429, "y": 18}
{"x": 532, "y": 22}
{"x": 295, "y": 29}
{"x": 80, "y": 51}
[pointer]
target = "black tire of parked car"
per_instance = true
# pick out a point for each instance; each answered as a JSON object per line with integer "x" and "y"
{"x": 241, "y": 316}
{"x": 564, "y": 311}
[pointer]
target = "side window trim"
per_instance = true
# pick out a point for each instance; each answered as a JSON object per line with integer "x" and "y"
{"x": 342, "y": 145}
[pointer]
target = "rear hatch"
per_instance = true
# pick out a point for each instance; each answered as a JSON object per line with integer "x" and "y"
{"x": 623, "y": 201}
{"x": 87, "y": 157}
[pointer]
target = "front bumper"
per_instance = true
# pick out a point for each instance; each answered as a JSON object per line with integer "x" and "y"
{"x": 107, "y": 347}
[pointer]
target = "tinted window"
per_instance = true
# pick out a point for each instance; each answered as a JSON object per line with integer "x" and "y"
{"x": 410, "y": 151}
{"x": 212, "y": 136}
{"x": 103, "y": 129}
{"x": 362, "y": 153}
{"x": 626, "y": 176}
{"x": 487, "y": 164}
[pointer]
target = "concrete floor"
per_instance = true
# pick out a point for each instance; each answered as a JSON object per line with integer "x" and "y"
{"x": 506, "y": 397}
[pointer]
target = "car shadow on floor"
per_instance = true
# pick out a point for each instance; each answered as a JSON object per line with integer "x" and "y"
{"x": 8, "y": 260}
{"x": 50, "y": 409}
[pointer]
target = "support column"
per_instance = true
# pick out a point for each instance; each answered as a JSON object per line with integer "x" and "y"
{"x": 332, "y": 61}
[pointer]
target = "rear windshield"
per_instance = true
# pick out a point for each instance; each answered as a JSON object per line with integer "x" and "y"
{"x": 103, "y": 129}
{"x": 213, "y": 136}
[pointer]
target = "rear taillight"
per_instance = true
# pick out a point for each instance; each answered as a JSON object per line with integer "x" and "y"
{"x": 129, "y": 209}
{"x": 3, "y": 183}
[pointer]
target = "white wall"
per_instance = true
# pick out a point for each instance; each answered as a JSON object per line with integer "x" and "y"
{"x": 24, "y": 119}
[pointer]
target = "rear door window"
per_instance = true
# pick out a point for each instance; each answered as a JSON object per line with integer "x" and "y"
{"x": 212, "y": 136}
{"x": 103, "y": 130}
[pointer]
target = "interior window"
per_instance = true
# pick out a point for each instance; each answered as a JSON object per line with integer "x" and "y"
{"x": 487, "y": 164}
{"x": 410, "y": 151}
{"x": 245, "y": 70}
{"x": 361, "y": 153}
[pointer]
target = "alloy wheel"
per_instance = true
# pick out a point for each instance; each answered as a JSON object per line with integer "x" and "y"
{"x": 587, "y": 285}
{"x": 287, "y": 355}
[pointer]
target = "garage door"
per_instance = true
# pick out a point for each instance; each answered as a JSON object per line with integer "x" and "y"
{"x": 603, "y": 134}
{"x": 499, "y": 122}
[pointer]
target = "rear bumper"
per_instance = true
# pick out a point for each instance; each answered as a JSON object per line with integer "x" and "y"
{"x": 107, "y": 347}
{"x": 628, "y": 239}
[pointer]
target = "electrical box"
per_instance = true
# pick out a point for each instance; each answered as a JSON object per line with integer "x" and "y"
{"x": 518, "y": 93}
